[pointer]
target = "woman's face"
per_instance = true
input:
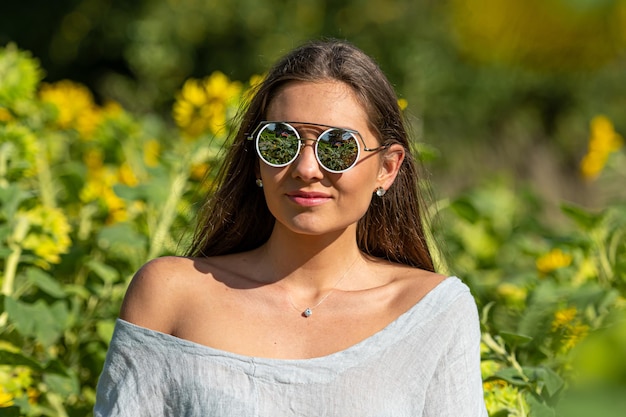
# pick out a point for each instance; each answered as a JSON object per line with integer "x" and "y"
{"x": 302, "y": 196}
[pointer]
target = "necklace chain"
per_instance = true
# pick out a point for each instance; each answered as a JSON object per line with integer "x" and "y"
{"x": 307, "y": 312}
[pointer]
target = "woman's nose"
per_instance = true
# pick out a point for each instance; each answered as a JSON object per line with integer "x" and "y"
{"x": 306, "y": 166}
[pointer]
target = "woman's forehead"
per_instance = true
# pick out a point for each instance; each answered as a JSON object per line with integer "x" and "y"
{"x": 331, "y": 103}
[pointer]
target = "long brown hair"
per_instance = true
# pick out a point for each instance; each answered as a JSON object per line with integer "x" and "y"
{"x": 235, "y": 217}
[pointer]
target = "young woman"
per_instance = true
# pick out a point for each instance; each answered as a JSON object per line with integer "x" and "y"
{"x": 309, "y": 289}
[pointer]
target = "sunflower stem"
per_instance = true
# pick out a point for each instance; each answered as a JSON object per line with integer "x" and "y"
{"x": 46, "y": 185}
{"x": 13, "y": 260}
{"x": 169, "y": 211}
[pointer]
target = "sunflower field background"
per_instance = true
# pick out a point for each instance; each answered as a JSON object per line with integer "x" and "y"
{"x": 110, "y": 128}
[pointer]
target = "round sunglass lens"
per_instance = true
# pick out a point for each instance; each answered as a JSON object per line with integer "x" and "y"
{"x": 337, "y": 150}
{"x": 278, "y": 144}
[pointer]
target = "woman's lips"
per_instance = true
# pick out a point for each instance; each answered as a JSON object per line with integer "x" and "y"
{"x": 308, "y": 199}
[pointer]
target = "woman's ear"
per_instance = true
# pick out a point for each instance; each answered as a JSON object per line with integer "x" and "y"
{"x": 390, "y": 165}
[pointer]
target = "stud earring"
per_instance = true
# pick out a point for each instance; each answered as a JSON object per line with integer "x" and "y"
{"x": 380, "y": 191}
{"x": 259, "y": 182}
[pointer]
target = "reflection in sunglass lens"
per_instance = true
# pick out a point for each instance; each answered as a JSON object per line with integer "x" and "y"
{"x": 337, "y": 150}
{"x": 278, "y": 144}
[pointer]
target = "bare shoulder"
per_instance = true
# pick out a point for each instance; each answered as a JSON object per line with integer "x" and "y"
{"x": 411, "y": 284}
{"x": 157, "y": 290}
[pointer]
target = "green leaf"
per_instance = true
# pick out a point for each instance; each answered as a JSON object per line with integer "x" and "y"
{"x": 10, "y": 199}
{"x": 12, "y": 411}
{"x": 583, "y": 218}
{"x": 537, "y": 407}
{"x": 39, "y": 320}
{"x": 550, "y": 380}
{"x": 105, "y": 330}
{"x": 128, "y": 193}
{"x": 55, "y": 366}
{"x": 426, "y": 152}
{"x": 63, "y": 385}
{"x": 107, "y": 273}
{"x": 510, "y": 375}
{"x": 157, "y": 191}
{"x": 122, "y": 241}
{"x": 17, "y": 359}
{"x": 515, "y": 339}
{"x": 77, "y": 290}
{"x": 4, "y": 251}
{"x": 465, "y": 209}
{"x": 45, "y": 282}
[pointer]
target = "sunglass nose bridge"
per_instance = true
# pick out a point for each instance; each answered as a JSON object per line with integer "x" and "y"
{"x": 304, "y": 141}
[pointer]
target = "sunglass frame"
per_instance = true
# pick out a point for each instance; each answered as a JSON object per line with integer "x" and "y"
{"x": 263, "y": 124}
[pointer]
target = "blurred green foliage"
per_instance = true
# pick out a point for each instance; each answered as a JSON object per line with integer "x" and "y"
{"x": 96, "y": 177}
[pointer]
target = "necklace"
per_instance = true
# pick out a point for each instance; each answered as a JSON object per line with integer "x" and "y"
{"x": 307, "y": 312}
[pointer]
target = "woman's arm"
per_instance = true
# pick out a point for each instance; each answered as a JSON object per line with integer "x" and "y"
{"x": 154, "y": 294}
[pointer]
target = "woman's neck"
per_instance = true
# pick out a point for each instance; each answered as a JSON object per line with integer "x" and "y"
{"x": 312, "y": 262}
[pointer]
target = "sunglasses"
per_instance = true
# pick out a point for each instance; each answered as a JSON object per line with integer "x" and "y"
{"x": 337, "y": 149}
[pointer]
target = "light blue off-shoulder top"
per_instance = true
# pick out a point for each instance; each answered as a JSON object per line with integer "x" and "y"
{"x": 424, "y": 363}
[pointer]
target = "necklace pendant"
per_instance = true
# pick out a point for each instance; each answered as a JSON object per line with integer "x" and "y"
{"x": 307, "y": 312}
